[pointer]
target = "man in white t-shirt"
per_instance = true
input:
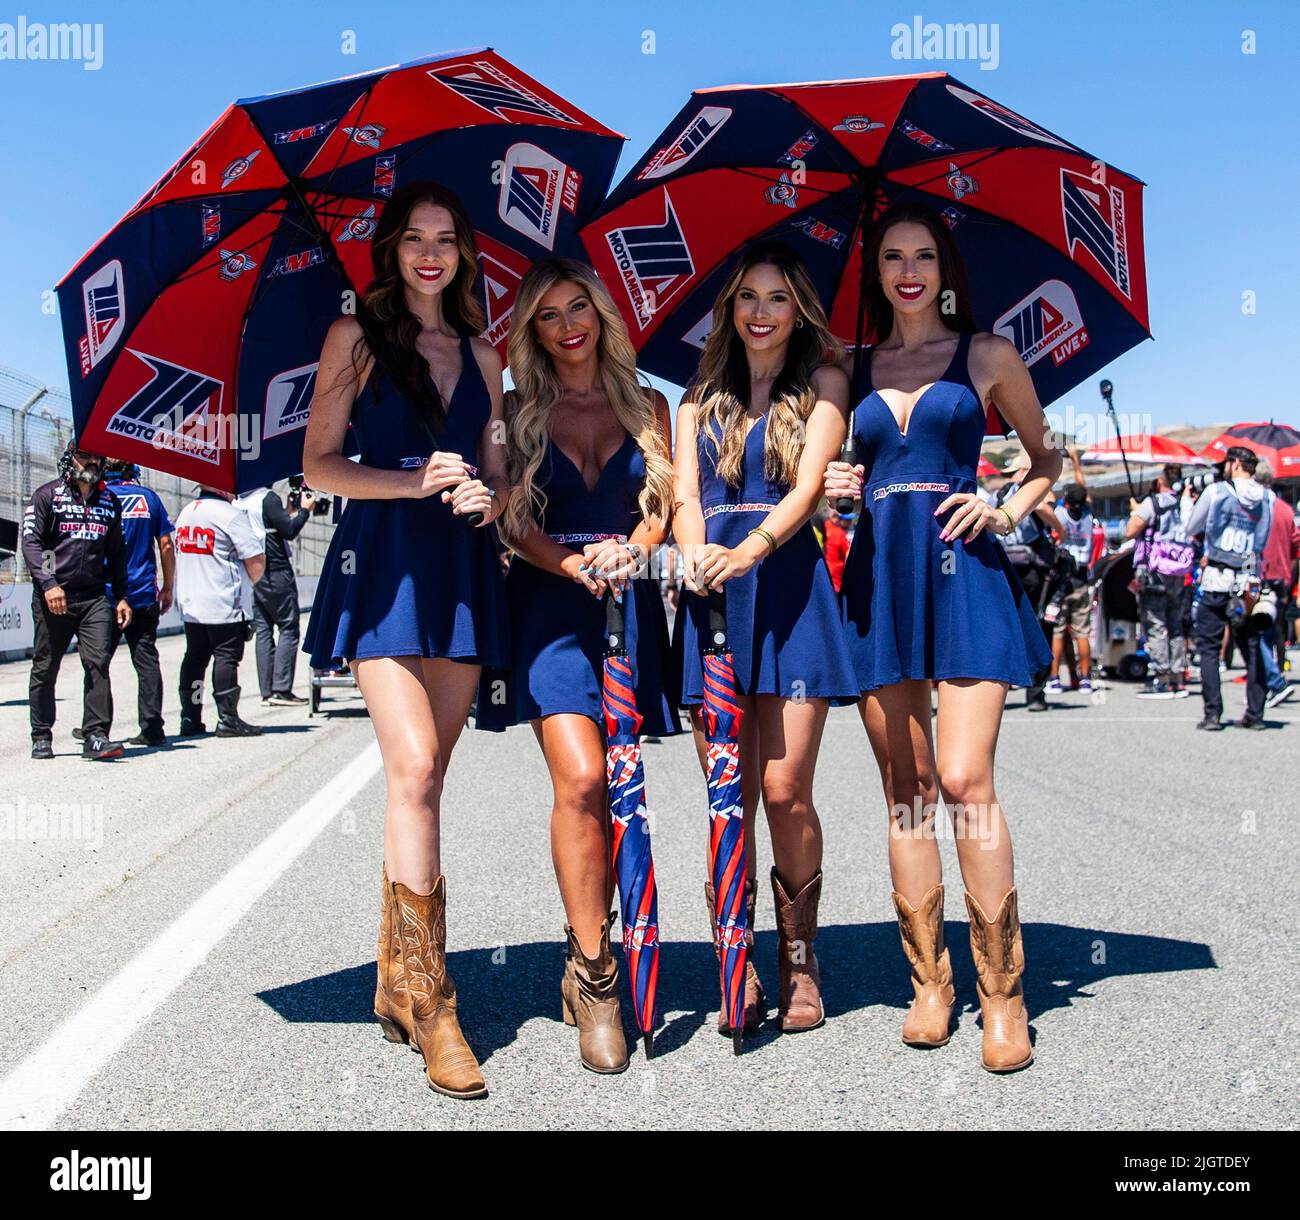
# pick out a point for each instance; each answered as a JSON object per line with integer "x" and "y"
{"x": 219, "y": 557}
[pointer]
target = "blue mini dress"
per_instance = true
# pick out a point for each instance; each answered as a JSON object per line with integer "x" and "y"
{"x": 783, "y": 619}
{"x": 915, "y": 606}
{"x": 557, "y": 627}
{"x": 409, "y": 577}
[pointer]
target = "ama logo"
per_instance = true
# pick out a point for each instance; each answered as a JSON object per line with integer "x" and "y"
{"x": 1093, "y": 215}
{"x": 134, "y": 504}
{"x": 653, "y": 263}
{"x": 101, "y": 294}
{"x": 1046, "y": 322}
{"x": 172, "y": 410}
{"x": 694, "y": 136}
{"x": 1008, "y": 118}
{"x": 485, "y": 85}
{"x": 288, "y": 400}
{"x": 534, "y": 187}
{"x": 360, "y": 227}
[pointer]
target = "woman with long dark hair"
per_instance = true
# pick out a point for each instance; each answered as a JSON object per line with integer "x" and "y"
{"x": 411, "y": 593}
{"x": 764, "y": 415}
{"x": 930, "y": 596}
{"x": 588, "y": 451}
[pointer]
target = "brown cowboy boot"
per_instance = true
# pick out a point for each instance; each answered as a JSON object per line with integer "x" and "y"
{"x": 928, "y": 1019}
{"x": 589, "y": 993}
{"x": 999, "y": 962}
{"x": 800, "y": 1002}
{"x": 392, "y": 1000}
{"x": 755, "y": 1000}
{"x": 422, "y": 931}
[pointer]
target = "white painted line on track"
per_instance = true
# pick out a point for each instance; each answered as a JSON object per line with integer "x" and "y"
{"x": 50, "y": 1079}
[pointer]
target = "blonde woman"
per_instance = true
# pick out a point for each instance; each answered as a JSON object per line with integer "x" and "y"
{"x": 764, "y": 416}
{"x": 588, "y": 449}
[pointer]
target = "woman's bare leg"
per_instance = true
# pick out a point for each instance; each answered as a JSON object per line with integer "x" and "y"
{"x": 789, "y": 735}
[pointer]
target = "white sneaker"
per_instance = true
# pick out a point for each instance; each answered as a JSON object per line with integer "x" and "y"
{"x": 1279, "y": 696}
{"x": 1053, "y": 687}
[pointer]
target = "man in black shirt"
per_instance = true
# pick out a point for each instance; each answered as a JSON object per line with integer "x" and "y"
{"x": 72, "y": 534}
{"x": 275, "y": 601}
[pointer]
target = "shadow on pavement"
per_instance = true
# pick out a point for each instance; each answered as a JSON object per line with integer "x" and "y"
{"x": 862, "y": 966}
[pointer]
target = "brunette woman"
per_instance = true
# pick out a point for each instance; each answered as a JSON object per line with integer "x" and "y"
{"x": 930, "y": 596}
{"x": 589, "y": 457}
{"x": 411, "y": 593}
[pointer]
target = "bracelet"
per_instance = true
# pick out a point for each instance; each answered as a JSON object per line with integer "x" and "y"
{"x": 1011, "y": 521}
{"x": 767, "y": 537}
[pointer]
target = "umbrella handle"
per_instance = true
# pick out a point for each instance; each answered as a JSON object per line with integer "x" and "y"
{"x": 844, "y": 504}
{"x": 717, "y": 641}
{"x": 615, "y": 626}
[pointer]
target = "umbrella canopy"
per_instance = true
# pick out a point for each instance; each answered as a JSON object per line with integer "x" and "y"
{"x": 1051, "y": 237}
{"x": 193, "y": 330}
{"x": 633, "y": 866}
{"x": 1268, "y": 440}
{"x": 722, "y": 719}
{"x": 1288, "y": 463}
{"x": 1144, "y": 447}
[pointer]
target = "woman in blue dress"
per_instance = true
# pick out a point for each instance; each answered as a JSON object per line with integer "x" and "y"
{"x": 411, "y": 593}
{"x": 930, "y": 596}
{"x": 755, "y": 431}
{"x": 588, "y": 451}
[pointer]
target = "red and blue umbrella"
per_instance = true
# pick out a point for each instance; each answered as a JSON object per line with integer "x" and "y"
{"x": 193, "y": 330}
{"x": 1268, "y": 441}
{"x": 722, "y": 719}
{"x": 1051, "y": 236}
{"x": 633, "y": 864}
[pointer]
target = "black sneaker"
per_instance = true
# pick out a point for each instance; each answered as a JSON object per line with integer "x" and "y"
{"x": 1278, "y": 694}
{"x": 42, "y": 747}
{"x": 100, "y": 749}
{"x": 285, "y": 698}
{"x": 1036, "y": 705}
{"x": 148, "y": 739}
{"x": 1247, "y": 723}
{"x": 193, "y": 728}
{"x": 1211, "y": 724}
{"x": 238, "y": 728}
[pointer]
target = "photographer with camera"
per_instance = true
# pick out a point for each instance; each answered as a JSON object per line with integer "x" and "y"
{"x": 1162, "y": 563}
{"x": 218, "y": 558}
{"x": 1234, "y": 516}
{"x": 275, "y": 596}
{"x": 1278, "y": 572}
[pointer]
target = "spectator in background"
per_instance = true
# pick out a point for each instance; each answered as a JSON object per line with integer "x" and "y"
{"x": 1162, "y": 562}
{"x": 1278, "y": 573}
{"x": 72, "y": 533}
{"x": 275, "y": 600}
{"x": 1080, "y": 539}
{"x": 144, "y": 523}
{"x": 1233, "y": 515}
{"x": 218, "y": 559}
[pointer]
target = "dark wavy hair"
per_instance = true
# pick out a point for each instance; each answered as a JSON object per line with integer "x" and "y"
{"x": 388, "y": 328}
{"x": 952, "y": 272}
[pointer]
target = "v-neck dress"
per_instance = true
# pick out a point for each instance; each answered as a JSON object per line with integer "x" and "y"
{"x": 916, "y": 606}
{"x": 409, "y": 577}
{"x": 783, "y": 622}
{"x": 557, "y": 627}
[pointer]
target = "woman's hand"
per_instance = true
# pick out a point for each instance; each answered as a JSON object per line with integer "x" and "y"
{"x": 844, "y": 482}
{"x": 472, "y": 496}
{"x": 576, "y": 568}
{"x": 710, "y": 566}
{"x": 971, "y": 514}
{"x": 613, "y": 562}
{"x": 441, "y": 471}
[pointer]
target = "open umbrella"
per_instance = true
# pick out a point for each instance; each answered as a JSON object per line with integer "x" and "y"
{"x": 1268, "y": 441}
{"x": 722, "y": 718}
{"x": 633, "y": 866}
{"x": 1051, "y": 236}
{"x": 1144, "y": 447}
{"x": 194, "y": 328}
{"x": 1288, "y": 462}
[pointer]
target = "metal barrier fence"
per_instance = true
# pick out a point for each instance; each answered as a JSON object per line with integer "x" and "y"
{"x": 35, "y": 424}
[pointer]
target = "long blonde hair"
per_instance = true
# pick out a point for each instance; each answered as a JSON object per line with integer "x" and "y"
{"x": 538, "y": 390}
{"x": 721, "y": 386}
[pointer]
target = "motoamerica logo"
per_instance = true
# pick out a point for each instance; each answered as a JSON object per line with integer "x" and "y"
{"x": 653, "y": 261}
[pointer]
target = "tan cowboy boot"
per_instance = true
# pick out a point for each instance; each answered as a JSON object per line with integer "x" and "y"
{"x": 800, "y": 1001}
{"x": 422, "y": 937}
{"x": 589, "y": 993}
{"x": 392, "y": 1000}
{"x": 928, "y": 1019}
{"x": 755, "y": 1000}
{"x": 999, "y": 963}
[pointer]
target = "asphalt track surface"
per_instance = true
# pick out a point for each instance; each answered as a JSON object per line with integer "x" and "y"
{"x": 190, "y": 943}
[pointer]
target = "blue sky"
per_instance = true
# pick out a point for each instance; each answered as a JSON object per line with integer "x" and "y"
{"x": 1161, "y": 90}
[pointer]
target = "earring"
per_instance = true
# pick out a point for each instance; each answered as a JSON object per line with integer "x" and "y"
{"x": 798, "y": 322}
